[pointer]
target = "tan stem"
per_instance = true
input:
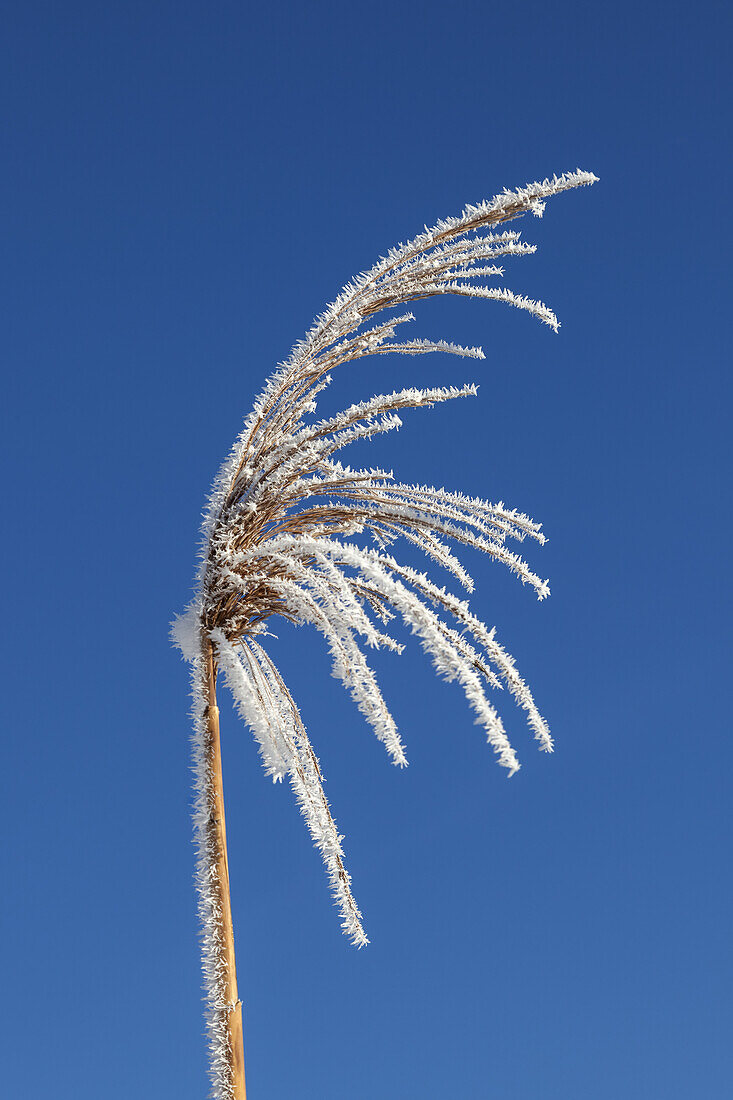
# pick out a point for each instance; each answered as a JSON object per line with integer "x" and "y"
{"x": 218, "y": 848}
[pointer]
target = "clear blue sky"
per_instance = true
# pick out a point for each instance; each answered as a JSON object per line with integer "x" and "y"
{"x": 184, "y": 186}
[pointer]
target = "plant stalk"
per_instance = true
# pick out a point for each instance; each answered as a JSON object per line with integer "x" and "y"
{"x": 217, "y": 845}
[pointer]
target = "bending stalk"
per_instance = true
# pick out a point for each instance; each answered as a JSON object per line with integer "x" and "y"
{"x": 225, "y": 1008}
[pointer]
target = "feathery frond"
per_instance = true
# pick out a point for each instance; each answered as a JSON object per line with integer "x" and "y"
{"x": 279, "y": 527}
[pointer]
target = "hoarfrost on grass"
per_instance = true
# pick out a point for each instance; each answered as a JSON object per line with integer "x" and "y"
{"x": 277, "y": 540}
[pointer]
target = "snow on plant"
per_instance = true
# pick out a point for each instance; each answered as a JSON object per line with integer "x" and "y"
{"x": 279, "y": 540}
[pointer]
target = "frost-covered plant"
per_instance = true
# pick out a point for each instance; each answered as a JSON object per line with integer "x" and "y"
{"x": 280, "y": 538}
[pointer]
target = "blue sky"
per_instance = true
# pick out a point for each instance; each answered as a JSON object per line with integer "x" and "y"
{"x": 184, "y": 187}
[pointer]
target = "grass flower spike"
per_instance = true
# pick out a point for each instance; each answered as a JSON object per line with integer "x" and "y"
{"x": 292, "y": 532}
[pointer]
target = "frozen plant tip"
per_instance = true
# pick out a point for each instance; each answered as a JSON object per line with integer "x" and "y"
{"x": 284, "y": 535}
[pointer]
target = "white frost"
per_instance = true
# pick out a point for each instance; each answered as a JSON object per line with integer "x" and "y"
{"x": 279, "y": 537}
